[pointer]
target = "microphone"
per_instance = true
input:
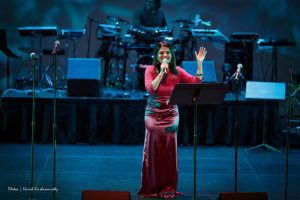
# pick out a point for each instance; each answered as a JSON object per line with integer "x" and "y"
{"x": 33, "y": 56}
{"x": 56, "y": 46}
{"x": 238, "y": 70}
{"x": 165, "y": 60}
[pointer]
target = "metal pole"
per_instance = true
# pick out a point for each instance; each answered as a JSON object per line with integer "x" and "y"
{"x": 288, "y": 134}
{"x": 195, "y": 144}
{"x": 236, "y": 126}
{"x": 33, "y": 125}
{"x": 54, "y": 124}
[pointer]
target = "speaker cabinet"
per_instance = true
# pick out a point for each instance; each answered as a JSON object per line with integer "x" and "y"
{"x": 105, "y": 195}
{"x": 243, "y": 196}
{"x": 83, "y": 78}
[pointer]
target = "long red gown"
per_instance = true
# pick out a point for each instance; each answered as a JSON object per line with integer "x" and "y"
{"x": 159, "y": 167}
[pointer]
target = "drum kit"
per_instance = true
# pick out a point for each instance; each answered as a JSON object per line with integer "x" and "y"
{"x": 117, "y": 38}
{"x": 123, "y": 38}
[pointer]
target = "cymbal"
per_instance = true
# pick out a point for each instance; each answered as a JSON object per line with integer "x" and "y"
{"x": 163, "y": 38}
{"x": 183, "y": 22}
{"x": 117, "y": 20}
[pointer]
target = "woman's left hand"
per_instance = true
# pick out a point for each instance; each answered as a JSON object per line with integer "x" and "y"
{"x": 200, "y": 56}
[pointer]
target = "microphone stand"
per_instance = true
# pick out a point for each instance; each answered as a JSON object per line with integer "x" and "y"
{"x": 54, "y": 127}
{"x": 195, "y": 101}
{"x": 236, "y": 76}
{"x": 288, "y": 134}
{"x": 236, "y": 126}
{"x": 33, "y": 124}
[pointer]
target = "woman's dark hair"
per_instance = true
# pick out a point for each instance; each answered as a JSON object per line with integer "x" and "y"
{"x": 172, "y": 64}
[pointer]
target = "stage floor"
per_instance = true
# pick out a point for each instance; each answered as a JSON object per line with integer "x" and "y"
{"x": 118, "y": 168}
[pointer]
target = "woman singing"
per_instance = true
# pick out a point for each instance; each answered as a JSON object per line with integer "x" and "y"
{"x": 159, "y": 168}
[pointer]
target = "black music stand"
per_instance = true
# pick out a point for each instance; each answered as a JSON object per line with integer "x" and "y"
{"x": 194, "y": 94}
{"x": 9, "y": 54}
{"x": 73, "y": 35}
{"x": 38, "y": 32}
{"x": 266, "y": 91}
{"x": 275, "y": 44}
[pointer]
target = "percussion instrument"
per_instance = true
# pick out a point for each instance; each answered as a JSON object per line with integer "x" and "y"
{"x": 117, "y": 20}
{"x": 183, "y": 23}
{"x": 149, "y": 34}
{"x": 108, "y": 31}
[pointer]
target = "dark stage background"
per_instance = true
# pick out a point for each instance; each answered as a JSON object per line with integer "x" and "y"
{"x": 270, "y": 19}
{"x": 118, "y": 119}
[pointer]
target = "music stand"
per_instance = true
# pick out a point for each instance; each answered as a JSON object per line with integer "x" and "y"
{"x": 194, "y": 94}
{"x": 9, "y": 54}
{"x": 38, "y": 32}
{"x": 265, "y": 91}
{"x": 275, "y": 44}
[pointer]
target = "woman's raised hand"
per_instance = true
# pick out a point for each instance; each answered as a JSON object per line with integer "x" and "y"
{"x": 200, "y": 56}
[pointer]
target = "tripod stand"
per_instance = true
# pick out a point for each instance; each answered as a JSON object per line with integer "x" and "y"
{"x": 264, "y": 142}
{"x": 265, "y": 91}
{"x": 48, "y": 75}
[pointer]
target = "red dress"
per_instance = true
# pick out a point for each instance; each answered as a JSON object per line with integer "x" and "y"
{"x": 159, "y": 169}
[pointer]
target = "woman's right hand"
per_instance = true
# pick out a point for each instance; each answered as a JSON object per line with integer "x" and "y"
{"x": 164, "y": 67}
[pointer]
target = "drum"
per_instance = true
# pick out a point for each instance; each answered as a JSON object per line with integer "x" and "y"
{"x": 115, "y": 74}
{"x": 142, "y": 62}
{"x": 145, "y": 60}
{"x": 162, "y": 32}
{"x": 149, "y": 34}
{"x": 105, "y": 31}
{"x": 137, "y": 32}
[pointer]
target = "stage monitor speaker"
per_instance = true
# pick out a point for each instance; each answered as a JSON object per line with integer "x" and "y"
{"x": 243, "y": 196}
{"x": 105, "y": 195}
{"x": 240, "y": 52}
{"x": 209, "y": 70}
{"x": 83, "y": 78}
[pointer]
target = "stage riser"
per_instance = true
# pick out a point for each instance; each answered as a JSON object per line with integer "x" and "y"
{"x": 122, "y": 122}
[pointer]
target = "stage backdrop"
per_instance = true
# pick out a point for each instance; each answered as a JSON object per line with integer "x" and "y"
{"x": 268, "y": 18}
